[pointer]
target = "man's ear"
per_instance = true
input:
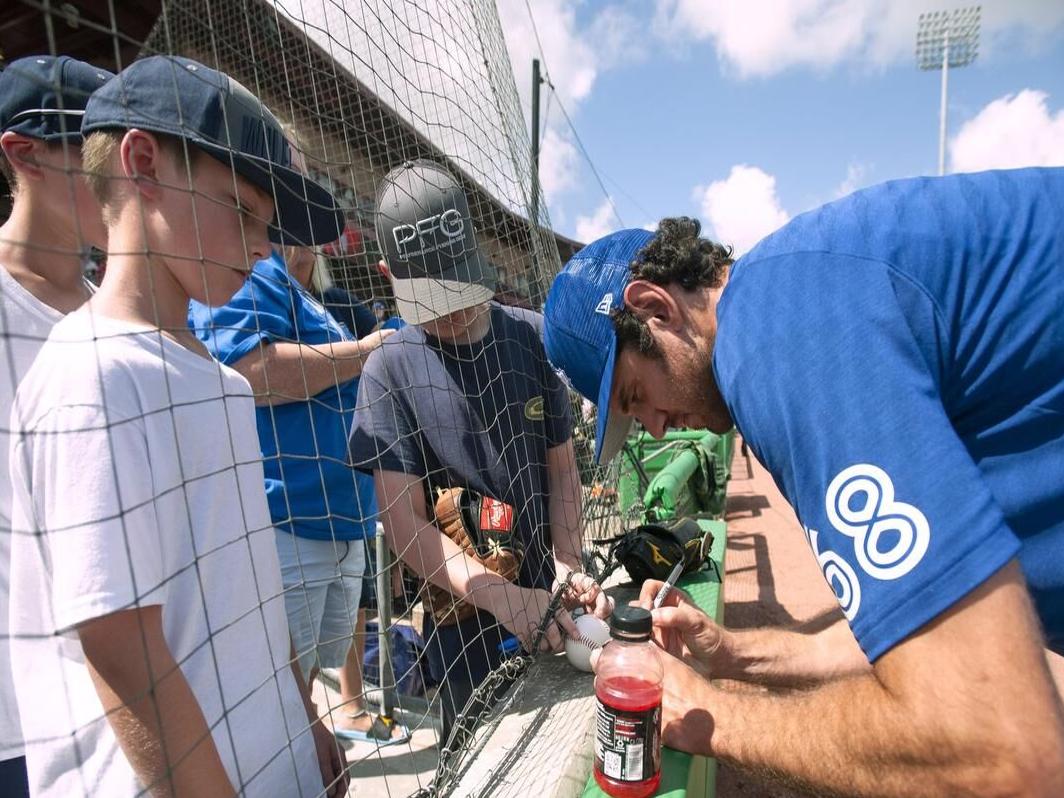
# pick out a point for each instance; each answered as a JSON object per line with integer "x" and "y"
{"x": 21, "y": 152}
{"x": 141, "y": 155}
{"x": 652, "y": 304}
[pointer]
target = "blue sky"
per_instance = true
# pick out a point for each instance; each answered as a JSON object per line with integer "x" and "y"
{"x": 687, "y": 108}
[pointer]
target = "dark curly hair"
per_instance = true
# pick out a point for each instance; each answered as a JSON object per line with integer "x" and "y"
{"x": 676, "y": 254}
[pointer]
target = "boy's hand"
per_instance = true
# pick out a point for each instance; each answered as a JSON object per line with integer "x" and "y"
{"x": 331, "y": 760}
{"x": 683, "y": 630}
{"x": 521, "y": 610}
{"x": 583, "y": 591}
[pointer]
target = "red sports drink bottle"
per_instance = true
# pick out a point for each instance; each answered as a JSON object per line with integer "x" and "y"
{"x": 628, "y": 684}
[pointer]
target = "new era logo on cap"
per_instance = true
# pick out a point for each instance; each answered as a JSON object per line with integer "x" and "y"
{"x": 605, "y": 305}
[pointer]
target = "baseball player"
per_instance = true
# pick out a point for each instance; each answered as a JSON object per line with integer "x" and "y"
{"x": 54, "y": 219}
{"x": 150, "y": 646}
{"x": 463, "y": 397}
{"x": 894, "y": 360}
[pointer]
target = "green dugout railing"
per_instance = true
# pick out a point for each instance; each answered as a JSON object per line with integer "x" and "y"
{"x": 685, "y": 473}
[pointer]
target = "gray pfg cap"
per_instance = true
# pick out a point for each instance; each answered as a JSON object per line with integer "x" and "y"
{"x": 425, "y": 229}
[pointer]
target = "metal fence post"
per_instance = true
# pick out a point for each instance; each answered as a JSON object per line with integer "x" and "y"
{"x": 384, "y": 623}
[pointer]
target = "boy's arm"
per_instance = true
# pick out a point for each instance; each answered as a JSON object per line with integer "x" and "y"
{"x": 331, "y": 758}
{"x": 432, "y": 555}
{"x": 563, "y": 480}
{"x": 281, "y": 372}
{"x": 150, "y": 706}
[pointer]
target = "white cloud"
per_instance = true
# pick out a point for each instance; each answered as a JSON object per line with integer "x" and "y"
{"x": 600, "y": 223}
{"x": 856, "y": 177}
{"x": 764, "y": 37}
{"x": 1012, "y": 131}
{"x": 743, "y": 208}
{"x": 558, "y": 161}
{"x": 573, "y": 64}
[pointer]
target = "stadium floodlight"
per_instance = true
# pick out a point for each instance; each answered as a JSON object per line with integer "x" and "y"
{"x": 946, "y": 39}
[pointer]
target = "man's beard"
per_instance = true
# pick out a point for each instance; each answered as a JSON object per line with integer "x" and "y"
{"x": 697, "y": 391}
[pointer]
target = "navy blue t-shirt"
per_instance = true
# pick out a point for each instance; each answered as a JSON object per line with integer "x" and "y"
{"x": 348, "y": 310}
{"x": 896, "y": 360}
{"x": 479, "y": 416}
{"x": 312, "y": 491}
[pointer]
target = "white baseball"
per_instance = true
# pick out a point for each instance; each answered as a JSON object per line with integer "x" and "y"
{"x": 594, "y": 634}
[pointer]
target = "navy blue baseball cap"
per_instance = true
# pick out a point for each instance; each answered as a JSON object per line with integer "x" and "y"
{"x": 578, "y": 326}
{"x": 44, "y": 96}
{"x": 183, "y": 98}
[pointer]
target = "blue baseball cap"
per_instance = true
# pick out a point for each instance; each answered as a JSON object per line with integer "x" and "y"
{"x": 44, "y": 96}
{"x": 183, "y": 98}
{"x": 578, "y": 326}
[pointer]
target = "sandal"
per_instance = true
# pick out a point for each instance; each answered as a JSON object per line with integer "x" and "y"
{"x": 379, "y": 732}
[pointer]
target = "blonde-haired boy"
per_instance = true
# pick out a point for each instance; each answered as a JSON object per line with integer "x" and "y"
{"x": 150, "y": 645}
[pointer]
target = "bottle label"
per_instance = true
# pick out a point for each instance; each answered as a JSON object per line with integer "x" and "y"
{"x": 627, "y": 743}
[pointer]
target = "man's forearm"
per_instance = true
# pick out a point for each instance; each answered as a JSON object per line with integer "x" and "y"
{"x": 786, "y": 658}
{"x": 849, "y": 738}
{"x": 964, "y": 706}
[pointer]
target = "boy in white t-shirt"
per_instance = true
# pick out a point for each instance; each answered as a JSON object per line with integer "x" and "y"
{"x": 150, "y": 645}
{"x": 54, "y": 219}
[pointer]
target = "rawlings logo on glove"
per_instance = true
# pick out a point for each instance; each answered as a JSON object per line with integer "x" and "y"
{"x": 483, "y": 528}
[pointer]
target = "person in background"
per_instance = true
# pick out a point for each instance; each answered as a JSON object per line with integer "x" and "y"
{"x": 303, "y": 366}
{"x": 54, "y": 220}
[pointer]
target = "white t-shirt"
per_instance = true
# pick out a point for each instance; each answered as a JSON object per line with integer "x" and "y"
{"x": 25, "y": 322}
{"x": 138, "y": 466}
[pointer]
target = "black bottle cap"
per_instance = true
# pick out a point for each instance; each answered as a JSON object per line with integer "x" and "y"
{"x": 631, "y": 623}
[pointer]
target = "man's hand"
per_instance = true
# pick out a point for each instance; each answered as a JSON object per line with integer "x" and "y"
{"x": 331, "y": 760}
{"x": 686, "y": 723}
{"x": 521, "y": 611}
{"x": 684, "y": 631}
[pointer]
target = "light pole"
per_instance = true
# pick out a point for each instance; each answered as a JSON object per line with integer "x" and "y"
{"x": 947, "y": 39}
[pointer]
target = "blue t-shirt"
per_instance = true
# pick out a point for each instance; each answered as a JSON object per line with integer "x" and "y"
{"x": 311, "y": 489}
{"x": 896, "y": 360}
{"x": 480, "y": 416}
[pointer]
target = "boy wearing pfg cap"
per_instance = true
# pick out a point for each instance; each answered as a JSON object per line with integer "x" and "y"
{"x": 54, "y": 219}
{"x": 464, "y": 397}
{"x": 150, "y": 646}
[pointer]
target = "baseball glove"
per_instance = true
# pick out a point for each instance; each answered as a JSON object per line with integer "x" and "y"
{"x": 483, "y": 528}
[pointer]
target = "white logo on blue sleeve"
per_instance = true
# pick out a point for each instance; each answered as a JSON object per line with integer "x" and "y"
{"x": 860, "y": 504}
{"x": 839, "y": 574}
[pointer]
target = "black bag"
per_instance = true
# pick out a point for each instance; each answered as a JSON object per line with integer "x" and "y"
{"x": 651, "y": 551}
